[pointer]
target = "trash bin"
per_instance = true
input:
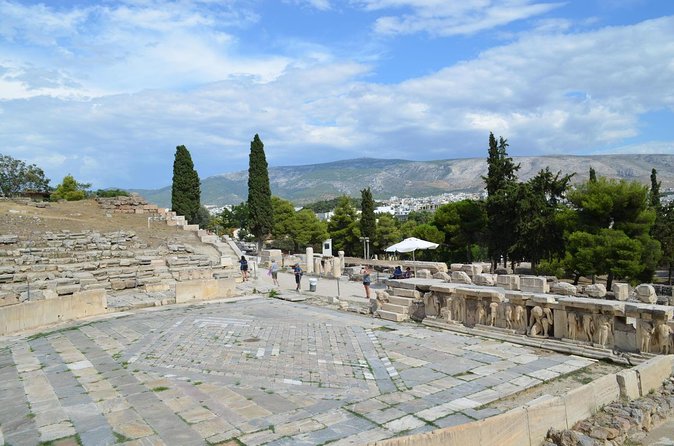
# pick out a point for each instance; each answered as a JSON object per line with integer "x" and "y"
{"x": 312, "y": 283}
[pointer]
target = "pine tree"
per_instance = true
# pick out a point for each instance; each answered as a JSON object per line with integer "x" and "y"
{"x": 185, "y": 191}
{"x": 260, "y": 211}
{"x": 368, "y": 222}
{"x": 343, "y": 228}
{"x": 593, "y": 175}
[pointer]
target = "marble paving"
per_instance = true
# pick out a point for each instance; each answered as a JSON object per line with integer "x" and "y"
{"x": 254, "y": 372}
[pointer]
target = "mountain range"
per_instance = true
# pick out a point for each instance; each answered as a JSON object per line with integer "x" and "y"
{"x": 404, "y": 178}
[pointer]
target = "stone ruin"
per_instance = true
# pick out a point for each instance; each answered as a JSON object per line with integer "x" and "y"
{"x": 524, "y": 305}
{"x": 56, "y": 269}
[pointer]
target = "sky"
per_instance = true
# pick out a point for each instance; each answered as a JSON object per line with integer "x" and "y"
{"x": 106, "y": 90}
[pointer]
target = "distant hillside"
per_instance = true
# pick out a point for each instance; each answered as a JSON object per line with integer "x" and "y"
{"x": 305, "y": 184}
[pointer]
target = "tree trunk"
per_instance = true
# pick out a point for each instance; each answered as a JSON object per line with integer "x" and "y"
{"x": 609, "y": 280}
{"x": 576, "y": 278}
{"x": 671, "y": 267}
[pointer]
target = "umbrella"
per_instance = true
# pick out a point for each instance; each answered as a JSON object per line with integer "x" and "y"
{"x": 410, "y": 245}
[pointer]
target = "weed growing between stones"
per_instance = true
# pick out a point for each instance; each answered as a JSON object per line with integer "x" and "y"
{"x": 159, "y": 388}
{"x": 119, "y": 438}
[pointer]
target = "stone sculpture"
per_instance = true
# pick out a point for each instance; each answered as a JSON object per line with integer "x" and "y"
{"x": 480, "y": 313}
{"x": 519, "y": 316}
{"x": 664, "y": 332}
{"x": 572, "y": 324}
{"x": 646, "y": 333}
{"x": 604, "y": 327}
{"x": 588, "y": 328}
{"x": 509, "y": 317}
{"x": 493, "y": 313}
{"x": 541, "y": 321}
{"x": 547, "y": 321}
{"x": 431, "y": 304}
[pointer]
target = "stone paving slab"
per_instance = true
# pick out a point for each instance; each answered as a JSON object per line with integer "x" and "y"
{"x": 256, "y": 372}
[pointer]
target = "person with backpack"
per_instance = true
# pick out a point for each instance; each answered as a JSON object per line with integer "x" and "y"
{"x": 297, "y": 269}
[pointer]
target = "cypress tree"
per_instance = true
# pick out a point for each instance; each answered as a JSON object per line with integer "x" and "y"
{"x": 654, "y": 195}
{"x": 186, "y": 191}
{"x": 368, "y": 222}
{"x": 260, "y": 211}
{"x": 593, "y": 175}
{"x": 501, "y": 184}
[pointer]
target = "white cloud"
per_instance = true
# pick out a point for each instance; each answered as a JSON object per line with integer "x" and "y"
{"x": 547, "y": 92}
{"x": 322, "y": 5}
{"x": 448, "y": 18}
{"x": 163, "y": 44}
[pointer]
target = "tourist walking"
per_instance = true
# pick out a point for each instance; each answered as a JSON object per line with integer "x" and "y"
{"x": 298, "y": 275}
{"x": 366, "y": 280}
{"x": 273, "y": 272}
{"x": 244, "y": 268}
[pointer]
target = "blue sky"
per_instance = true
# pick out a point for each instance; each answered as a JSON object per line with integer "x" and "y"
{"x": 107, "y": 90}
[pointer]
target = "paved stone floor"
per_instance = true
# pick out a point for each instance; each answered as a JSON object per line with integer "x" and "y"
{"x": 254, "y": 371}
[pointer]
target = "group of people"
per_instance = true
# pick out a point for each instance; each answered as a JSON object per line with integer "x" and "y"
{"x": 398, "y": 273}
{"x": 273, "y": 271}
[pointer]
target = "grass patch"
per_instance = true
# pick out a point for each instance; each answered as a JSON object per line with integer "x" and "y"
{"x": 119, "y": 438}
{"x": 60, "y": 440}
{"x": 60, "y": 330}
{"x": 159, "y": 388}
{"x": 383, "y": 328}
{"x": 273, "y": 293}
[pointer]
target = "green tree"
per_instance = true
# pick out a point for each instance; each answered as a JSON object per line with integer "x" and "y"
{"x": 231, "y": 219}
{"x": 387, "y": 233}
{"x": 70, "y": 190}
{"x": 463, "y": 224}
{"x": 665, "y": 234}
{"x": 609, "y": 211}
{"x": 185, "y": 190}
{"x": 16, "y": 176}
{"x": 654, "y": 195}
{"x": 539, "y": 234}
{"x": 420, "y": 217}
{"x": 284, "y": 222}
{"x": 344, "y": 230}
{"x": 284, "y": 213}
{"x": 430, "y": 233}
{"x": 308, "y": 230}
{"x": 368, "y": 223}
{"x": 203, "y": 218}
{"x": 260, "y": 211}
{"x": 593, "y": 175}
{"x": 501, "y": 185}
{"x": 111, "y": 193}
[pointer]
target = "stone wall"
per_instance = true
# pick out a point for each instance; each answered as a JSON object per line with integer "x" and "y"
{"x": 135, "y": 204}
{"x": 30, "y": 315}
{"x": 529, "y": 424}
{"x": 637, "y": 328}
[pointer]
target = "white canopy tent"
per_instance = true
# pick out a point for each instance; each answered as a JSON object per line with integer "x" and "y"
{"x": 410, "y": 245}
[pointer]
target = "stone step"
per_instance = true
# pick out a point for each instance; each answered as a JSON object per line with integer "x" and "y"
{"x": 391, "y": 316}
{"x": 400, "y": 309}
{"x": 402, "y": 292}
{"x": 397, "y": 300}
